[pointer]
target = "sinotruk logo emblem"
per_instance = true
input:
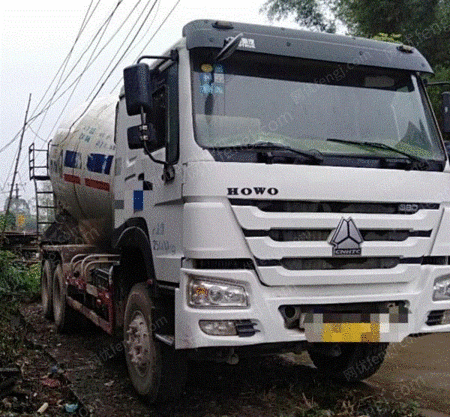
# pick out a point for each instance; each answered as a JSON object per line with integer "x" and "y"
{"x": 346, "y": 239}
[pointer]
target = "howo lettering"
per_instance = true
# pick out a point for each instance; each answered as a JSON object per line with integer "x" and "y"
{"x": 253, "y": 190}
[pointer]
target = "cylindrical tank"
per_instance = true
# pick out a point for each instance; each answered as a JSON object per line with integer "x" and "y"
{"x": 81, "y": 166}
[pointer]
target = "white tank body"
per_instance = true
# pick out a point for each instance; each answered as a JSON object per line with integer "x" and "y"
{"x": 81, "y": 168}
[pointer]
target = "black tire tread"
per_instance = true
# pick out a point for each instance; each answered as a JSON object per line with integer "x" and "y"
{"x": 69, "y": 317}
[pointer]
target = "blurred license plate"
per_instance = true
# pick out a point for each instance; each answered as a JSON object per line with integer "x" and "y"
{"x": 342, "y": 332}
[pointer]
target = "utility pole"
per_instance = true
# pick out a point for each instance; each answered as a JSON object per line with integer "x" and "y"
{"x": 2, "y": 238}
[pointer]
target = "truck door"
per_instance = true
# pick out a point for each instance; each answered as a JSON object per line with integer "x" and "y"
{"x": 146, "y": 189}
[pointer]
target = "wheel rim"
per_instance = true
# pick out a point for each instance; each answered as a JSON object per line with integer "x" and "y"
{"x": 138, "y": 344}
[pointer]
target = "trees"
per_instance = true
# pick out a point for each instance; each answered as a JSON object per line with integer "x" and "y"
{"x": 314, "y": 14}
{"x": 424, "y": 24}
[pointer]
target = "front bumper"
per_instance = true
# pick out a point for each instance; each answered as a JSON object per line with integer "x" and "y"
{"x": 265, "y": 303}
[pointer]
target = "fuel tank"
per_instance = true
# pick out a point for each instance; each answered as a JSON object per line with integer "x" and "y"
{"x": 81, "y": 166}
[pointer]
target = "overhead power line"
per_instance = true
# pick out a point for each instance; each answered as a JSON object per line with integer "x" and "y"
{"x": 34, "y": 116}
{"x": 153, "y": 36}
{"x": 110, "y": 72}
{"x": 87, "y": 65}
{"x": 87, "y": 17}
{"x": 159, "y": 28}
{"x": 62, "y": 75}
{"x": 52, "y": 101}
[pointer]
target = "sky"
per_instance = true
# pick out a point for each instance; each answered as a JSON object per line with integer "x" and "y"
{"x": 37, "y": 36}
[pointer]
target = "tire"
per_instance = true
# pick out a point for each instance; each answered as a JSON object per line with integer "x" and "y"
{"x": 47, "y": 289}
{"x": 158, "y": 372}
{"x": 64, "y": 315}
{"x": 351, "y": 362}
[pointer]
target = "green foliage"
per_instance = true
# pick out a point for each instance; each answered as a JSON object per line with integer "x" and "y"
{"x": 17, "y": 278}
{"x": 385, "y": 37}
{"x": 7, "y": 223}
{"x": 424, "y": 24}
{"x": 309, "y": 13}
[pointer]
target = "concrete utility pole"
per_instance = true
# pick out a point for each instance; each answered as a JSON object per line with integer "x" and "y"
{"x": 2, "y": 238}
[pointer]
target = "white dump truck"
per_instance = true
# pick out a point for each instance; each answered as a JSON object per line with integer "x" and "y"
{"x": 254, "y": 190}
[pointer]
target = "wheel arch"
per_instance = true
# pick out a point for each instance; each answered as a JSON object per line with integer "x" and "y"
{"x": 132, "y": 241}
{"x": 133, "y": 235}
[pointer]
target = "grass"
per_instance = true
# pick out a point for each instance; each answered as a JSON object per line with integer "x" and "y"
{"x": 17, "y": 278}
{"x": 18, "y": 282}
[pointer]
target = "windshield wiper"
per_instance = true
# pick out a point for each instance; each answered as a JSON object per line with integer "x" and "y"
{"x": 421, "y": 164}
{"x": 314, "y": 156}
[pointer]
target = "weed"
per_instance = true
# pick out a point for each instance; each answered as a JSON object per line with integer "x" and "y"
{"x": 17, "y": 278}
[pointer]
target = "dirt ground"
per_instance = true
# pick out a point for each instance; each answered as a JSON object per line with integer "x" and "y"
{"x": 90, "y": 371}
{"x": 418, "y": 368}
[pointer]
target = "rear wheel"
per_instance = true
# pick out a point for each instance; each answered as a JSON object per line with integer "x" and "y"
{"x": 157, "y": 371}
{"x": 349, "y": 362}
{"x": 63, "y": 313}
{"x": 47, "y": 289}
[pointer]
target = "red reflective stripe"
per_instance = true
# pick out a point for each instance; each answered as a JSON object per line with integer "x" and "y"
{"x": 100, "y": 185}
{"x": 72, "y": 178}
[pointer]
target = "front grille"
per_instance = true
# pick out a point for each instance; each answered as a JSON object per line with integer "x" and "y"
{"x": 435, "y": 317}
{"x": 339, "y": 263}
{"x": 335, "y": 236}
{"x": 298, "y": 264}
{"x": 283, "y": 206}
{"x": 318, "y": 235}
{"x": 223, "y": 264}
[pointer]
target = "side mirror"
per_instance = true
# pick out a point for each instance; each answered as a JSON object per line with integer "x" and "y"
{"x": 446, "y": 112}
{"x": 229, "y": 48}
{"x": 137, "y": 84}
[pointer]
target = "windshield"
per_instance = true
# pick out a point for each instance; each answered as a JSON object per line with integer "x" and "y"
{"x": 305, "y": 105}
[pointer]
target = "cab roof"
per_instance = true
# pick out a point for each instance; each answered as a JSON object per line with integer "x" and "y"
{"x": 306, "y": 44}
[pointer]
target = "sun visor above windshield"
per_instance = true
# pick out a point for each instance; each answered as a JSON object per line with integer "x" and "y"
{"x": 304, "y": 44}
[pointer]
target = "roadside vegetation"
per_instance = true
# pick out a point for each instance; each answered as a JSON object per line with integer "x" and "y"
{"x": 18, "y": 282}
{"x": 16, "y": 278}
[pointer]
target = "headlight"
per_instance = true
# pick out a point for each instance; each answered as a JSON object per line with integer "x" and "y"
{"x": 205, "y": 293}
{"x": 441, "y": 289}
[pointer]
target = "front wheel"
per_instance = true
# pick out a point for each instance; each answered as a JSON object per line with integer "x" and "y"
{"x": 158, "y": 372}
{"x": 348, "y": 362}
